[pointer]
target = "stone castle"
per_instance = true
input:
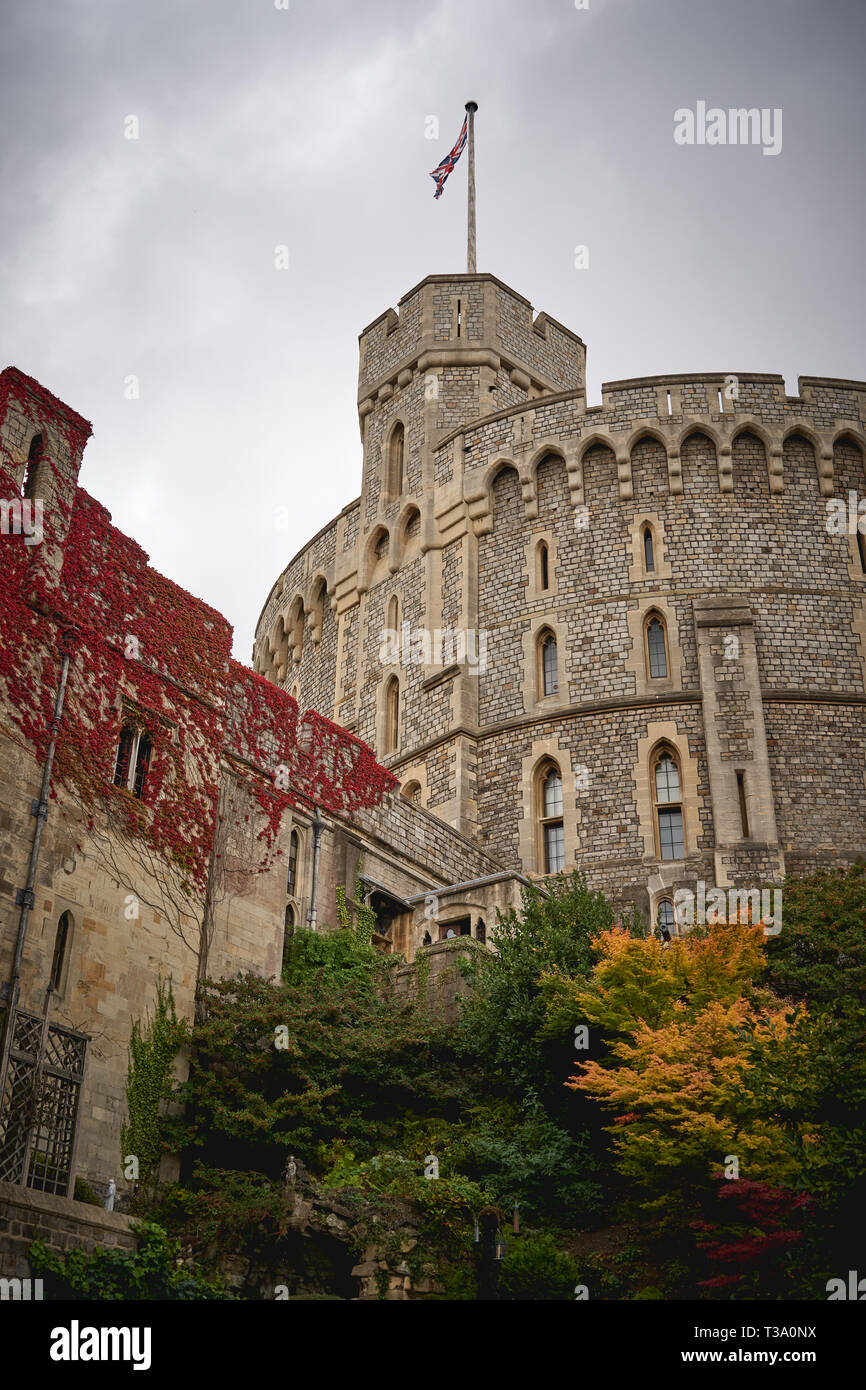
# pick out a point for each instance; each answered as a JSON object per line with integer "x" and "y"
{"x": 623, "y": 638}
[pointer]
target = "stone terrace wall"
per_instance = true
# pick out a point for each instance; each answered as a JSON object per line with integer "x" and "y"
{"x": 61, "y": 1223}
{"x": 435, "y": 970}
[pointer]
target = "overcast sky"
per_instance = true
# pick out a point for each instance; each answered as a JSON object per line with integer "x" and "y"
{"x": 306, "y": 127}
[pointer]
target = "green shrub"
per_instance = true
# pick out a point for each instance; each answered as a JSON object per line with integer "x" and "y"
{"x": 534, "y": 1270}
{"x": 85, "y": 1193}
{"x": 152, "y": 1271}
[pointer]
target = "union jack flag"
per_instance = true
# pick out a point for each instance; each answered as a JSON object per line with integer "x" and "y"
{"x": 441, "y": 172}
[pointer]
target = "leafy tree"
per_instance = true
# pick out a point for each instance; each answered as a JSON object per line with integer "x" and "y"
{"x": 819, "y": 957}
{"x": 503, "y": 1016}
{"x": 289, "y": 1067}
{"x": 679, "y": 1091}
{"x": 756, "y": 1249}
{"x": 536, "y": 1163}
{"x": 642, "y": 981}
{"x": 812, "y": 1079}
{"x": 680, "y": 1021}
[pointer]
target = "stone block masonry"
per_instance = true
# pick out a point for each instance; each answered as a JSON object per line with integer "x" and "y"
{"x": 762, "y": 690}
{"x": 61, "y": 1223}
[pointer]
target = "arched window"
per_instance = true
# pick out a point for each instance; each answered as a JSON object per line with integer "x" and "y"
{"x": 288, "y": 933}
{"x": 648, "y": 551}
{"x": 396, "y": 449}
{"x": 392, "y": 715}
{"x": 132, "y": 760}
{"x": 548, "y": 669}
{"x": 61, "y": 942}
{"x": 412, "y": 792}
{"x": 34, "y": 456}
{"x": 550, "y": 819}
{"x": 294, "y": 847}
{"x": 392, "y": 622}
{"x": 667, "y": 802}
{"x": 656, "y": 648}
{"x": 666, "y": 919}
{"x": 542, "y": 554}
{"x": 481, "y": 932}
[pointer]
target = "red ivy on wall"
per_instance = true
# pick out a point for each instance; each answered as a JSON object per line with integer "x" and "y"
{"x": 143, "y": 648}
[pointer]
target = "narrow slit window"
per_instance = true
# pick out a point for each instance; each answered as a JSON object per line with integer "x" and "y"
{"x": 648, "y": 552}
{"x": 61, "y": 941}
{"x": 396, "y": 451}
{"x": 392, "y": 716}
{"x": 744, "y": 811}
{"x": 861, "y": 547}
{"x": 670, "y": 404}
{"x": 34, "y": 456}
{"x": 543, "y": 566}
{"x": 549, "y": 666}
{"x": 292, "y": 879}
{"x": 459, "y": 317}
{"x": 288, "y": 933}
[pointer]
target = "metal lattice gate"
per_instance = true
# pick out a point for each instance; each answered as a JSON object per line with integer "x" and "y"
{"x": 39, "y": 1103}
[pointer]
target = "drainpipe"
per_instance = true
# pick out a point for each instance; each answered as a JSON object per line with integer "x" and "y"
{"x": 318, "y": 827}
{"x": 25, "y": 897}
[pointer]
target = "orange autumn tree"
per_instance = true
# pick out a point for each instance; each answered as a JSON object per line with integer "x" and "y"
{"x": 676, "y": 1022}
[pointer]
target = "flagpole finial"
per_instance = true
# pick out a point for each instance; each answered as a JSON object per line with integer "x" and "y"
{"x": 471, "y": 106}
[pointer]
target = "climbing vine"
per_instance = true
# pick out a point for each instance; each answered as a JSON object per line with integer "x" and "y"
{"x": 143, "y": 651}
{"x": 153, "y": 1048}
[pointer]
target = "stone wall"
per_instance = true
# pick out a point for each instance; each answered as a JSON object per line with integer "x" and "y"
{"x": 435, "y": 971}
{"x": 61, "y": 1223}
{"x": 732, "y": 476}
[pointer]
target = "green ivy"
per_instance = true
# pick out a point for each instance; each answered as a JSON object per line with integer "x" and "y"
{"x": 155, "y": 1270}
{"x": 153, "y": 1048}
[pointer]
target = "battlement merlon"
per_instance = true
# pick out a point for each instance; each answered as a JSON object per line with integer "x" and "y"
{"x": 467, "y": 320}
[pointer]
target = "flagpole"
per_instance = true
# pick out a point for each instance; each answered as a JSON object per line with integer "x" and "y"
{"x": 471, "y": 107}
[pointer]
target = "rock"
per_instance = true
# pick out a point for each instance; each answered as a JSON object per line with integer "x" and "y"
{"x": 234, "y": 1269}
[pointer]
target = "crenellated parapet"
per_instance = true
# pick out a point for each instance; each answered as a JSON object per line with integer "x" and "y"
{"x": 668, "y": 409}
